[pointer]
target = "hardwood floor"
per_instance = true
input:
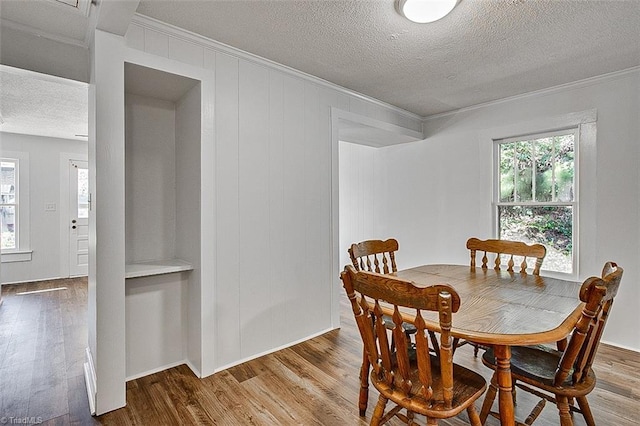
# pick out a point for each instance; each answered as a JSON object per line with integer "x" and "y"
{"x": 42, "y": 341}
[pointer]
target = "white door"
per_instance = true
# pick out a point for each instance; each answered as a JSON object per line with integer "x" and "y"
{"x": 79, "y": 218}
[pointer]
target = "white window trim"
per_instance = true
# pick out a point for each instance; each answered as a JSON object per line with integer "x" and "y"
{"x": 22, "y": 253}
{"x": 586, "y": 122}
{"x": 575, "y": 130}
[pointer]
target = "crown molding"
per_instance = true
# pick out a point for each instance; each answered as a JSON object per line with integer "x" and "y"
{"x": 180, "y": 33}
{"x": 554, "y": 89}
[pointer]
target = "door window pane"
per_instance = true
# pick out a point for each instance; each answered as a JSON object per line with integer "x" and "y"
{"x": 83, "y": 193}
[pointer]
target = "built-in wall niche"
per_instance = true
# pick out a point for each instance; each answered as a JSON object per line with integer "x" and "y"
{"x": 162, "y": 215}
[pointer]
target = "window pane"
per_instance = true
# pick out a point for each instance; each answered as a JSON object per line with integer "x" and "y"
{"x": 8, "y": 226}
{"x": 544, "y": 169}
{"x": 564, "y": 167}
{"x": 524, "y": 171}
{"x": 8, "y": 182}
{"x": 550, "y": 226}
{"x": 83, "y": 193}
{"x": 506, "y": 172}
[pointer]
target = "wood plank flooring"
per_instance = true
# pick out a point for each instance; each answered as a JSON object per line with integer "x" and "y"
{"x": 42, "y": 341}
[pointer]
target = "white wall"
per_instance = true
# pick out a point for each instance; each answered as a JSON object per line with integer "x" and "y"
{"x": 44, "y": 54}
{"x": 44, "y": 188}
{"x": 150, "y": 179}
{"x": 156, "y": 325}
{"x": 269, "y": 270}
{"x": 188, "y": 212}
{"x": 106, "y": 305}
{"x": 363, "y": 194}
{"x": 273, "y": 213}
{"x": 443, "y": 184}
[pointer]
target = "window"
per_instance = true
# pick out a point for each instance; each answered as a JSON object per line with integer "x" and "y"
{"x": 535, "y": 194}
{"x": 9, "y": 204}
{"x": 14, "y": 206}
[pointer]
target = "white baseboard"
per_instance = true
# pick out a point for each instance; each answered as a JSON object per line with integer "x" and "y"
{"x": 90, "y": 381}
{"x": 617, "y": 345}
{"x": 35, "y": 281}
{"x": 157, "y": 370}
{"x": 193, "y": 369}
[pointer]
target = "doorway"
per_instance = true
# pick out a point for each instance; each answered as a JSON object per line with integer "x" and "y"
{"x": 75, "y": 203}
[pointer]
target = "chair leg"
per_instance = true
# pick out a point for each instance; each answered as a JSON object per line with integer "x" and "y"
{"x": 474, "y": 419}
{"x": 378, "y": 411}
{"x": 363, "y": 399}
{"x": 586, "y": 410}
{"x": 431, "y": 421}
{"x": 535, "y": 412}
{"x": 489, "y": 398}
{"x": 564, "y": 411}
{"x": 475, "y": 350}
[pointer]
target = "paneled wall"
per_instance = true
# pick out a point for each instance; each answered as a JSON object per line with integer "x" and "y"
{"x": 274, "y": 268}
{"x": 269, "y": 154}
{"x": 150, "y": 185}
{"x": 363, "y": 194}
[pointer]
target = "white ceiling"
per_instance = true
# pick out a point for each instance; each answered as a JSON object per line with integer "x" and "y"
{"x": 483, "y": 51}
{"x": 42, "y": 105}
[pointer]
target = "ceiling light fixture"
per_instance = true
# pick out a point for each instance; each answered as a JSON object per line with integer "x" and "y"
{"x": 424, "y": 11}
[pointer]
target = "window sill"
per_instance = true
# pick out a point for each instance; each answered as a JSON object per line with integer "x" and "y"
{"x": 17, "y": 256}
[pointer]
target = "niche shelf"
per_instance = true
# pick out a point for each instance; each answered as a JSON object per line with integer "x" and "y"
{"x": 162, "y": 217}
{"x": 156, "y": 267}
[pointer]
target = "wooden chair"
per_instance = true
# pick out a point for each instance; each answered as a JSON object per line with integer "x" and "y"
{"x": 375, "y": 256}
{"x": 425, "y": 384}
{"x": 370, "y": 255}
{"x": 558, "y": 376}
{"x": 511, "y": 249}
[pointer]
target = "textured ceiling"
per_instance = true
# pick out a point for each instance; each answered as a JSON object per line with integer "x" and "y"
{"x": 38, "y": 104}
{"x": 482, "y": 51}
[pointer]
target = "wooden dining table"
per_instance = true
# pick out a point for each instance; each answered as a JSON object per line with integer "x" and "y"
{"x": 503, "y": 309}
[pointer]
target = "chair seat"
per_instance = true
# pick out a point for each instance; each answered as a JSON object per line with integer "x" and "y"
{"x": 537, "y": 365}
{"x": 467, "y": 387}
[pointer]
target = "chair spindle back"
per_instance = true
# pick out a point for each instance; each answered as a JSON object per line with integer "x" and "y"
{"x": 510, "y": 248}
{"x": 374, "y": 256}
{"x": 391, "y": 362}
{"x": 598, "y": 295}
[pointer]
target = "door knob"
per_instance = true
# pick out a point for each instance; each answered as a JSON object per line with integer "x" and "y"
{"x": 73, "y": 227}
{"x": 73, "y": 221}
